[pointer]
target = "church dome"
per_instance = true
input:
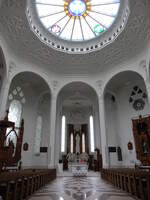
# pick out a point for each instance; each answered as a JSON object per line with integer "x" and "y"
{"x": 77, "y": 26}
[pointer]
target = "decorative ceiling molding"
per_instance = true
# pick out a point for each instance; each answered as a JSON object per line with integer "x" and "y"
{"x": 22, "y": 43}
{"x": 78, "y": 47}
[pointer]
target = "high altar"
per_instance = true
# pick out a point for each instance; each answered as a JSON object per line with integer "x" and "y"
{"x": 78, "y": 160}
{"x": 78, "y": 164}
{"x": 77, "y": 151}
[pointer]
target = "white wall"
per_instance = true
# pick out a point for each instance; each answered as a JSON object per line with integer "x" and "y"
{"x": 77, "y": 115}
{"x": 30, "y": 112}
{"x": 97, "y": 82}
{"x": 119, "y": 123}
{"x": 43, "y": 109}
{"x": 125, "y": 114}
{"x": 113, "y": 138}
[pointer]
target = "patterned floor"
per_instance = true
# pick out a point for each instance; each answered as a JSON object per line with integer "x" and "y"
{"x": 77, "y": 188}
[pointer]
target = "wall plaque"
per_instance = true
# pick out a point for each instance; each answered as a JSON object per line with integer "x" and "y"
{"x": 112, "y": 149}
{"x": 43, "y": 149}
{"x": 25, "y": 146}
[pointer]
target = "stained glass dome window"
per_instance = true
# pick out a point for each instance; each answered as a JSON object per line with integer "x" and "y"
{"x": 77, "y": 20}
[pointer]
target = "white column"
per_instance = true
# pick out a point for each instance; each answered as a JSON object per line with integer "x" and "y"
{"x": 104, "y": 147}
{"x": 148, "y": 90}
{"x": 51, "y": 155}
{"x": 4, "y": 98}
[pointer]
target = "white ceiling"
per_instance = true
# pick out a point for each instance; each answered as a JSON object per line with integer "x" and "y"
{"x": 77, "y": 95}
{"x": 23, "y": 43}
{"x": 30, "y": 81}
{"x": 123, "y": 79}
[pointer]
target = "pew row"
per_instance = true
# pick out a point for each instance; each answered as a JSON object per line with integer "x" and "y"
{"x": 135, "y": 182}
{"x": 20, "y": 185}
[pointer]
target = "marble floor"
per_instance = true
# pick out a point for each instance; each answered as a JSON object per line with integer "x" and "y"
{"x": 80, "y": 188}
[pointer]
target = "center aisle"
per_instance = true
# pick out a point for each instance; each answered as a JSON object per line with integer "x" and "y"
{"x": 80, "y": 188}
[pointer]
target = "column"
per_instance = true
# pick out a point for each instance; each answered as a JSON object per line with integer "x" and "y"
{"x": 4, "y": 98}
{"x": 104, "y": 147}
{"x": 51, "y": 156}
{"x": 148, "y": 90}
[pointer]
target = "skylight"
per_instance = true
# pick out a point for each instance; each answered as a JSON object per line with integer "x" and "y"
{"x": 77, "y": 20}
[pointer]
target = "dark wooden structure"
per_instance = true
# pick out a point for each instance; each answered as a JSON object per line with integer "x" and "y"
{"x": 94, "y": 164}
{"x": 98, "y": 160}
{"x": 141, "y": 132}
{"x": 20, "y": 185}
{"x": 135, "y": 182}
{"x": 71, "y": 130}
{"x": 9, "y": 155}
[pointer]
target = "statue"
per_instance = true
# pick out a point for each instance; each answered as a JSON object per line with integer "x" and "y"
{"x": 144, "y": 147}
{"x": 77, "y": 144}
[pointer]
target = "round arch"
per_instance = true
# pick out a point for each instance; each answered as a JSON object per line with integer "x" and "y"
{"x": 34, "y": 87}
{"x": 3, "y": 68}
{"x": 77, "y": 100}
{"x": 77, "y": 81}
{"x": 124, "y": 72}
{"x": 131, "y": 100}
{"x": 3, "y": 82}
{"x": 34, "y": 73}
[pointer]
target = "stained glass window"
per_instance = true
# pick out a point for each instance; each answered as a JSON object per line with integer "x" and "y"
{"x": 77, "y": 20}
{"x": 17, "y": 93}
{"x": 71, "y": 142}
{"x": 92, "y": 134}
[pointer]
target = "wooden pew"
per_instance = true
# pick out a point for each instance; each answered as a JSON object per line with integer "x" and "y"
{"x": 20, "y": 185}
{"x": 135, "y": 182}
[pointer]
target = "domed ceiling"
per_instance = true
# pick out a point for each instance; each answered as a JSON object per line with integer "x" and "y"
{"x": 23, "y": 43}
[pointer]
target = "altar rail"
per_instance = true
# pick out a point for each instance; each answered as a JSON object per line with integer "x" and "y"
{"x": 20, "y": 185}
{"x": 135, "y": 182}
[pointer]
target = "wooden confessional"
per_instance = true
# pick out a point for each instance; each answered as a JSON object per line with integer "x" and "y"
{"x": 10, "y": 155}
{"x": 141, "y": 131}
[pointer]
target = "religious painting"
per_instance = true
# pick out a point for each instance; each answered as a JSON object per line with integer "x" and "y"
{"x": 25, "y": 146}
{"x": 141, "y": 131}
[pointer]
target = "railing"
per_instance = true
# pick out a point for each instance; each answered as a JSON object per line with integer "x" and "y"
{"x": 135, "y": 182}
{"x": 20, "y": 185}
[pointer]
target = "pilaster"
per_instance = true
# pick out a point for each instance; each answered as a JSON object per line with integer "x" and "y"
{"x": 104, "y": 146}
{"x": 52, "y": 131}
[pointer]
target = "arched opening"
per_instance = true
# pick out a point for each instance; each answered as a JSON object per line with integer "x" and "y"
{"x": 14, "y": 115}
{"x": 78, "y": 103}
{"x": 125, "y": 99}
{"x": 33, "y": 95}
{"x": 2, "y": 69}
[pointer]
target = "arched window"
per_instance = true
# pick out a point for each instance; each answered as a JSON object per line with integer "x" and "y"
{"x": 15, "y": 112}
{"x": 71, "y": 143}
{"x": 83, "y": 142}
{"x": 17, "y": 93}
{"x": 63, "y": 133}
{"x": 92, "y": 134}
{"x": 38, "y": 135}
